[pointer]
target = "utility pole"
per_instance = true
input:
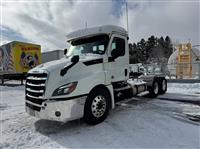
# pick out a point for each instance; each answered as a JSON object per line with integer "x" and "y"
{"x": 127, "y": 18}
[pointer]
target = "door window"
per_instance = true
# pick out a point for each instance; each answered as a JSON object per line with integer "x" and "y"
{"x": 119, "y": 44}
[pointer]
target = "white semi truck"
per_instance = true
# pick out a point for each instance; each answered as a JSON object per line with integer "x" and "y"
{"x": 89, "y": 80}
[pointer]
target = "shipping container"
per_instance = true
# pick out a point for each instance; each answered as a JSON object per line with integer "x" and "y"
{"x": 17, "y": 58}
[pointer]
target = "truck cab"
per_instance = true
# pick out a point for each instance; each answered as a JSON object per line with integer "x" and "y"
{"x": 89, "y": 80}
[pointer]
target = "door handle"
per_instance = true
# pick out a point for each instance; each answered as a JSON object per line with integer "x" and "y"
{"x": 125, "y": 72}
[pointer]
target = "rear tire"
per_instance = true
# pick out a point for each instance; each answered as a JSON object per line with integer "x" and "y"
{"x": 97, "y": 106}
{"x": 154, "y": 89}
{"x": 163, "y": 86}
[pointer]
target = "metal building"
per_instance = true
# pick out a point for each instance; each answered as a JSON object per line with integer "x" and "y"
{"x": 52, "y": 55}
{"x": 194, "y": 63}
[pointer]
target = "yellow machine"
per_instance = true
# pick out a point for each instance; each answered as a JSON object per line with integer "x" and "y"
{"x": 184, "y": 66}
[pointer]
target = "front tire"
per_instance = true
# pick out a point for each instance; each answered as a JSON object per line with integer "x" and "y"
{"x": 97, "y": 106}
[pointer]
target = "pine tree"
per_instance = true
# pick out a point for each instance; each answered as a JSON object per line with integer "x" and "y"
{"x": 130, "y": 49}
{"x": 150, "y": 45}
{"x": 168, "y": 46}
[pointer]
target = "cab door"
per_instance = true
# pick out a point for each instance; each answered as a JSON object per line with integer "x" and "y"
{"x": 117, "y": 67}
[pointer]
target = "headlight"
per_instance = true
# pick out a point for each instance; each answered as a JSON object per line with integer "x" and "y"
{"x": 65, "y": 89}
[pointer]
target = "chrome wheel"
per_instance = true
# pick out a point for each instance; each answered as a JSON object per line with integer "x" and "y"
{"x": 98, "y": 106}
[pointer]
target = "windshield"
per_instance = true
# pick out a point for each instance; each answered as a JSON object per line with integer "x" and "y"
{"x": 91, "y": 45}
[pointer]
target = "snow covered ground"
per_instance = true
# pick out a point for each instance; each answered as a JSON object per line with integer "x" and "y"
{"x": 137, "y": 123}
{"x": 184, "y": 88}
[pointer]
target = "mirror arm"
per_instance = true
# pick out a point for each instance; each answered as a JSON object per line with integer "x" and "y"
{"x": 65, "y": 51}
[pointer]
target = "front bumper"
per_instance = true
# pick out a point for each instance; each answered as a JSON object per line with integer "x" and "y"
{"x": 69, "y": 109}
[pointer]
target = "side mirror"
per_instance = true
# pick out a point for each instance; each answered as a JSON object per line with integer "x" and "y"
{"x": 75, "y": 59}
{"x": 65, "y": 51}
{"x": 115, "y": 53}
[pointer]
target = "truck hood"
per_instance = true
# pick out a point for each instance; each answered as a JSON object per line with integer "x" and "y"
{"x": 59, "y": 64}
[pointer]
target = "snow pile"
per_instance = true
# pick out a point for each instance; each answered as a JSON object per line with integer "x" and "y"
{"x": 184, "y": 88}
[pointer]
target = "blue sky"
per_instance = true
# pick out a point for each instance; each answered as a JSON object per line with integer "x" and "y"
{"x": 11, "y": 34}
{"x": 47, "y": 22}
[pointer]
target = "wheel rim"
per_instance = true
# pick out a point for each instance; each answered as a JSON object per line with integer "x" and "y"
{"x": 163, "y": 85}
{"x": 156, "y": 88}
{"x": 98, "y": 106}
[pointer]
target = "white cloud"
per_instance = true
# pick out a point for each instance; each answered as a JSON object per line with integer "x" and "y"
{"x": 47, "y": 22}
{"x": 179, "y": 20}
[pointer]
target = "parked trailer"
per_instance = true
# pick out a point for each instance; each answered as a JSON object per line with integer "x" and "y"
{"x": 17, "y": 58}
{"x": 89, "y": 80}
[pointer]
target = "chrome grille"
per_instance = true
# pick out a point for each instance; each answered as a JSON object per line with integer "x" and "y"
{"x": 35, "y": 89}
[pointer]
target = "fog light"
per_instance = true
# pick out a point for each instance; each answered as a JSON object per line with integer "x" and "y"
{"x": 57, "y": 113}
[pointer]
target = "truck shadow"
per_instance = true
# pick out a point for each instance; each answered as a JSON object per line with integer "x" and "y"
{"x": 48, "y": 127}
{"x": 78, "y": 134}
{"x": 74, "y": 134}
